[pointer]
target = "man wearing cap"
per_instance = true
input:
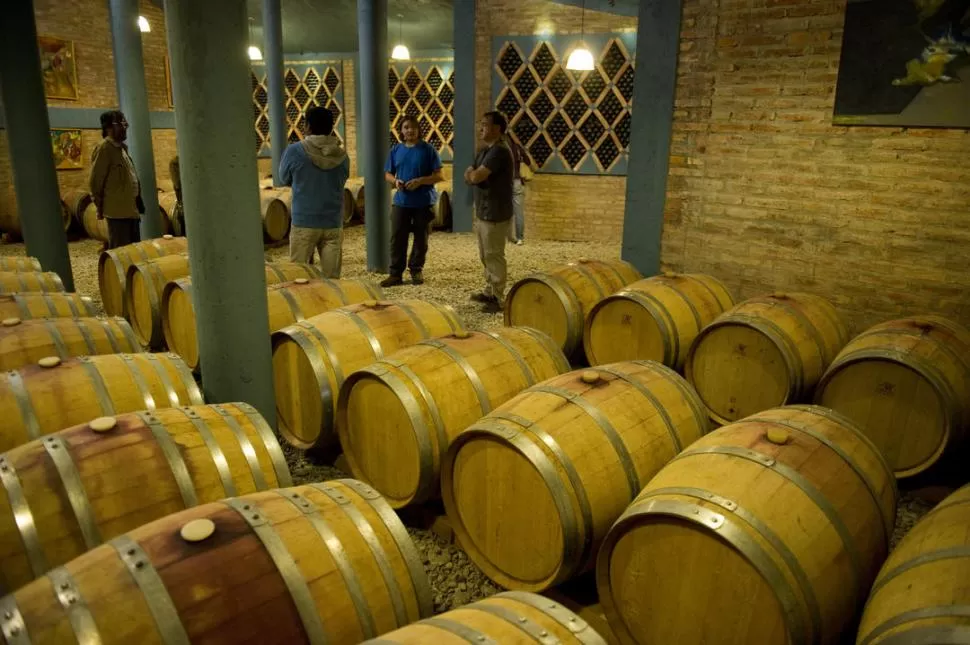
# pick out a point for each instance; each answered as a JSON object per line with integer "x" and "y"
{"x": 113, "y": 183}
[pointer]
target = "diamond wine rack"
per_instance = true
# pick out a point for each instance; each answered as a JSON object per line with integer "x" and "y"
{"x": 424, "y": 89}
{"x": 305, "y": 83}
{"x": 571, "y": 122}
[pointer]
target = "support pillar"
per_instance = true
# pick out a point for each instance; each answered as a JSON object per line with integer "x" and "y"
{"x": 133, "y": 97}
{"x": 658, "y": 41}
{"x": 28, "y": 138}
{"x": 210, "y": 70}
{"x": 273, "y": 56}
{"x": 465, "y": 137}
{"x": 373, "y": 128}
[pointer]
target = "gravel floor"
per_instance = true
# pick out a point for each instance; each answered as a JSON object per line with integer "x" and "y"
{"x": 452, "y": 272}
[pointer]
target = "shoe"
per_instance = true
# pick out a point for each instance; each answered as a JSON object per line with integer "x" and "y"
{"x": 417, "y": 278}
{"x": 519, "y": 242}
{"x": 392, "y": 281}
{"x": 483, "y": 297}
{"x": 492, "y": 307}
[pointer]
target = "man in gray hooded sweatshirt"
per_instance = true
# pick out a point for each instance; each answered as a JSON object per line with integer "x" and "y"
{"x": 317, "y": 168}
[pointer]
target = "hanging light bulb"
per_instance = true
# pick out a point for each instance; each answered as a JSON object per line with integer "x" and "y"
{"x": 400, "y": 50}
{"x": 143, "y": 24}
{"x": 254, "y": 53}
{"x": 581, "y": 60}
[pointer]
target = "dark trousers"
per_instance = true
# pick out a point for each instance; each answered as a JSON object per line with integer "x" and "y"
{"x": 405, "y": 221}
{"x": 122, "y": 232}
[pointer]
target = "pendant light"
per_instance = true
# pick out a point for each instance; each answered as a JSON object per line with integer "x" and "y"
{"x": 581, "y": 59}
{"x": 254, "y": 53}
{"x": 400, "y": 50}
{"x": 143, "y": 24}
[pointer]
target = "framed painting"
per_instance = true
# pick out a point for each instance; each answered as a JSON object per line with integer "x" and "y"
{"x": 67, "y": 149}
{"x": 58, "y": 68}
{"x": 905, "y": 63}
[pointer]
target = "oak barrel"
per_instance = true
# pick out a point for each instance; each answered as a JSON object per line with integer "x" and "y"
{"x": 509, "y": 618}
{"x": 765, "y": 352}
{"x": 113, "y": 265}
{"x": 274, "y": 207}
{"x": 54, "y": 394}
{"x": 654, "y": 319}
{"x": 556, "y": 302}
{"x": 907, "y": 384}
{"x": 27, "y": 306}
{"x": 30, "y": 282}
{"x": 532, "y": 488}
{"x": 145, "y": 282}
{"x": 289, "y": 302}
{"x": 312, "y": 357}
{"x": 97, "y": 229}
{"x": 442, "y": 209}
{"x": 921, "y": 595}
{"x": 10, "y": 215}
{"x": 23, "y": 342}
{"x": 768, "y": 530}
{"x": 23, "y": 263}
{"x": 70, "y": 491}
{"x": 166, "y": 204}
{"x": 349, "y": 206}
{"x": 397, "y": 416}
{"x": 325, "y": 563}
{"x": 77, "y": 201}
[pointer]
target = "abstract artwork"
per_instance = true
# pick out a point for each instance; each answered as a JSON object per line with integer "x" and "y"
{"x": 67, "y": 149}
{"x": 905, "y": 63}
{"x": 58, "y": 68}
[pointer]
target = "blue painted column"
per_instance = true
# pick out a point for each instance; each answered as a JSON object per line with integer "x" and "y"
{"x": 273, "y": 56}
{"x": 133, "y": 96}
{"x": 373, "y": 127}
{"x": 210, "y": 72}
{"x": 29, "y": 142}
{"x": 658, "y": 43}
{"x": 465, "y": 131}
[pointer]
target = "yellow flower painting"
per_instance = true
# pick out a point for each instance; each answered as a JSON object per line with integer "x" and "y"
{"x": 58, "y": 67}
{"x": 67, "y": 149}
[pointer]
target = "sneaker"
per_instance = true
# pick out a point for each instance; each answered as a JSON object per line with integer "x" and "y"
{"x": 519, "y": 242}
{"x": 492, "y": 307}
{"x": 392, "y": 281}
{"x": 417, "y": 278}
{"x": 483, "y": 297}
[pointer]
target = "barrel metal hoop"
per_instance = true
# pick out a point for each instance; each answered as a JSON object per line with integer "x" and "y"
{"x": 272, "y": 445}
{"x": 562, "y": 364}
{"x": 803, "y": 484}
{"x": 451, "y": 317}
{"x": 12, "y": 623}
{"x": 120, "y": 266}
{"x": 592, "y": 279}
{"x": 439, "y": 425}
{"x": 335, "y": 285}
{"x": 22, "y": 281}
{"x": 153, "y": 589}
{"x": 173, "y": 456}
{"x": 626, "y": 461}
{"x": 941, "y": 507}
{"x": 468, "y": 634}
{"x": 918, "y": 561}
{"x": 215, "y": 450}
{"x": 678, "y": 445}
{"x": 23, "y": 517}
{"x": 109, "y": 334}
{"x": 932, "y": 635}
{"x": 73, "y": 604}
{"x": 339, "y": 556}
{"x": 672, "y": 285}
{"x": 578, "y": 627}
{"x": 272, "y": 268}
{"x": 924, "y": 613}
{"x": 367, "y": 332}
{"x": 319, "y": 336}
{"x": 58, "y": 339}
{"x": 671, "y": 341}
{"x": 523, "y": 366}
{"x": 245, "y": 445}
{"x": 70, "y": 478}
{"x": 188, "y": 381}
{"x": 415, "y": 319}
{"x": 808, "y": 325}
{"x": 291, "y": 303}
{"x": 129, "y": 333}
{"x": 571, "y": 305}
{"x": 534, "y": 631}
{"x": 134, "y": 369}
{"x": 707, "y": 287}
{"x": 298, "y": 333}
{"x": 16, "y": 383}
{"x": 154, "y": 283}
{"x": 52, "y": 308}
{"x": 89, "y": 341}
{"x": 19, "y": 300}
{"x": 462, "y": 361}
{"x": 173, "y": 397}
{"x": 689, "y": 393}
{"x": 366, "y": 531}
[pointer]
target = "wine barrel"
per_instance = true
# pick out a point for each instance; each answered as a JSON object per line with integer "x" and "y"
{"x": 113, "y": 265}
{"x": 442, "y": 209}
{"x": 274, "y": 206}
{"x": 325, "y": 563}
{"x": 360, "y": 203}
{"x": 10, "y": 216}
{"x": 289, "y": 302}
{"x": 920, "y": 594}
{"x": 907, "y": 384}
{"x": 769, "y": 530}
{"x": 509, "y": 618}
{"x": 349, "y": 206}
{"x": 166, "y": 203}
{"x": 654, "y": 319}
{"x": 30, "y": 282}
{"x": 312, "y": 358}
{"x": 97, "y": 229}
{"x": 27, "y": 306}
{"x": 397, "y": 416}
{"x": 14, "y": 263}
{"x": 557, "y": 302}
{"x": 145, "y": 282}
{"x": 72, "y": 490}
{"x": 77, "y": 202}
{"x": 763, "y": 353}
{"x": 165, "y": 185}
{"x": 53, "y": 394}
{"x": 23, "y": 342}
{"x": 532, "y": 488}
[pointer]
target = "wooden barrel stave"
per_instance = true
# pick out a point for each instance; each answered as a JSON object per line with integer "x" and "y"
{"x": 587, "y": 440}
{"x": 28, "y": 341}
{"x": 288, "y": 303}
{"x": 30, "y": 282}
{"x": 424, "y": 395}
{"x": 167, "y": 202}
{"x": 654, "y": 319}
{"x": 322, "y": 563}
{"x": 312, "y": 357}
{"x": 113, "y": 265}
{"x": 37, "y": 401}
{"x": 556, "y": 302}
{"x": 14, "y": 263}
{"x": 442, "y": 209}
{"x": 787, "y": 514}
{"x": 28, "y": 306}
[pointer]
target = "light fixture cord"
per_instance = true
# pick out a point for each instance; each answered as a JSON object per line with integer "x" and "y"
{"x": 582, "y": 23}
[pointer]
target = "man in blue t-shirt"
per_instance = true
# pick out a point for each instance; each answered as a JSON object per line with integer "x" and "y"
{"x": 413, "y": 168}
